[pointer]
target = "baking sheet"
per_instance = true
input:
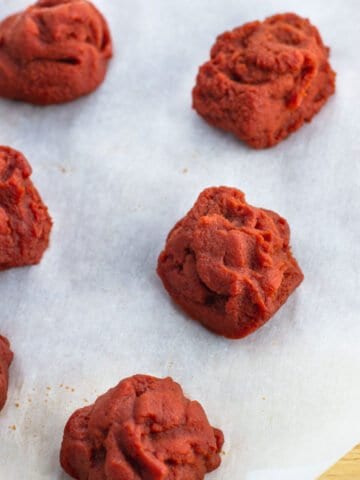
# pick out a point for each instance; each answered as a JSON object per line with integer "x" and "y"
{"x": 117, "y": 169}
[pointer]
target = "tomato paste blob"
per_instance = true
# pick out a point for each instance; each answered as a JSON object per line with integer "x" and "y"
{"x": 228, "y": 264}
{"x": 25, "y": 223}
{"x": 6, "y": 357}
{"x": 265, "y": 79}
{"x": 53, "y": 52}
{"x": 144, "y": 428}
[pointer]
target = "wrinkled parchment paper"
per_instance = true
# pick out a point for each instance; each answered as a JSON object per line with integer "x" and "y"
{"x": 117, "y": 169}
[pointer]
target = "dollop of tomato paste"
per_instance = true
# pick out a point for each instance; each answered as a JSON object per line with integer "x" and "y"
{"x": 228, "y": 264}
{"x": 143, "y": 429}
{"x": 265, "y": 79}
{"x": 25, "y": 223}
{"x": 6, "y": 357}
{"x": 53, "y": 52}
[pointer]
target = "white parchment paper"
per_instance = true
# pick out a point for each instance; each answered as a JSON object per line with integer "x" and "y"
{"x": 117, "y": 169}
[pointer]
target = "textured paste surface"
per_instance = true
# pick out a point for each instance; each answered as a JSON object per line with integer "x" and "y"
{"x": 6, "y": 357}
{"x": 53, "y": 52}
{"x": 144, "y": 428}
{"x": 24, "y": 220}
{"x": 229, "y": 264}
{"x": 265, "y": 79}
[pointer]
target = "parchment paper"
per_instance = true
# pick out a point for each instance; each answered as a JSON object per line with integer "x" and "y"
{"x": 117, "y": 169}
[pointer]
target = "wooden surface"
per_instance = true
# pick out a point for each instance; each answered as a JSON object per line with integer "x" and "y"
{"x": 348, "y": 468}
